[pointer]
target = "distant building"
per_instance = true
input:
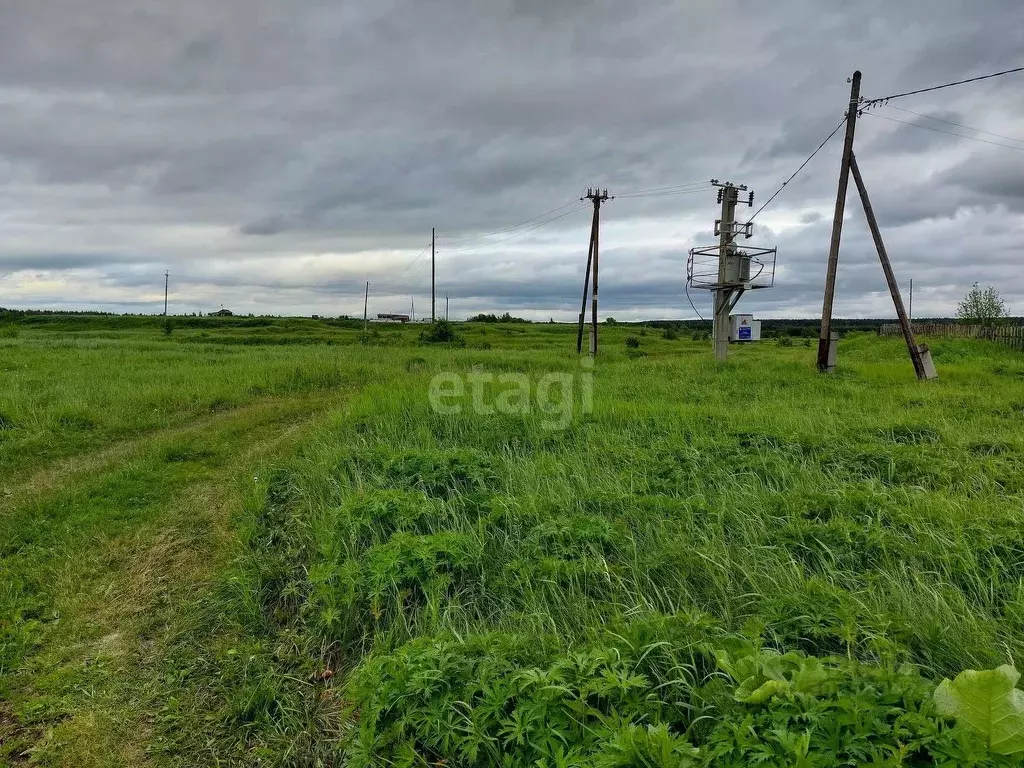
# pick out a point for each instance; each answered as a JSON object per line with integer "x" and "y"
{"x": 222, "y": 313}
{"x": 392, "y": 317}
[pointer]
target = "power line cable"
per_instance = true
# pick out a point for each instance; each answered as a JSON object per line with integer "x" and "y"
{"x": 802, "y": 166}
{"x": 666, "y": 194}
{"x": 470, "y": 238}
{"x": 950, "y": 122}
{"x": 868, "y": 102}
{"x": 537, "y": 226}
{"x": 686, "y": 288}
{"x": 386, "y": 283}
{"x": 671, "y": 189}
{"x": 939, "y": 130}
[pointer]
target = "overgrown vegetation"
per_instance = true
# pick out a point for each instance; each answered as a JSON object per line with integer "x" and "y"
{"x": 718, "y": 566}
{"x": 440, "y": 332}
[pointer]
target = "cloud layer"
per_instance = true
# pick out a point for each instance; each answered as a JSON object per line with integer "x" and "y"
{"x": 274, "y": 157}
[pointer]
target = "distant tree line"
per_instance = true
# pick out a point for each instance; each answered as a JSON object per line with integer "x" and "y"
{"x": 505, "y": 318}
{"x": 770, "y": 327}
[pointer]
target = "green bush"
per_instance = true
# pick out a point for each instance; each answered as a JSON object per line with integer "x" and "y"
{"x": 632, "y": 342}
{"x": 503, "y": 700}
{"x": 440, "y": 332}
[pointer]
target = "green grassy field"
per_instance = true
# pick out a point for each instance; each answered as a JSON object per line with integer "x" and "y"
{"x": 259, "y": 542}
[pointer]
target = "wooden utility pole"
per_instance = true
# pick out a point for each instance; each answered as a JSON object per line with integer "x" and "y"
{"x": 919, "y": 355}
{"x": 167, "y": 279}
{"x": 596, "y": 196}
{"x": 586, "y": 283}
{"x": 433, "y": 241}
{"x": 825, "y": 336}
{"x": 911, "y": 312}
{"x": 366, "y": 303}
{"x": 446, "y": 306}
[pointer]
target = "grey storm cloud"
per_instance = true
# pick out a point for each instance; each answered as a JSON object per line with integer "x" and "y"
{"x": 275, "y": 156}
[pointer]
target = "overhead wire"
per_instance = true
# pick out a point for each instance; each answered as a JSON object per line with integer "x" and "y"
{"x": 869, "y": 102}
{"x": 578, "y": 206}
{"x": 664, "y": 194}
{"x": 794, "y": 174}
{"x": 950, "y": 122}
{"x": 469, "y": 238}
{"x": 386, "y": 283}
{"x": 686, "y": 288}
{"x": 939, "y": 130}
{"x": 671, "y": 189}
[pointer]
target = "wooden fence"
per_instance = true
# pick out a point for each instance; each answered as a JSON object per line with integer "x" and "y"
{"x": 1010, "y": 335}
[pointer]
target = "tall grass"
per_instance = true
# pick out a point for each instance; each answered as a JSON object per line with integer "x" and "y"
{"x": 480, "y": 590}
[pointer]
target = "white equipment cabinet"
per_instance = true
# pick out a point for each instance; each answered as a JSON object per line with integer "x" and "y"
{"x": 744, "y": 328}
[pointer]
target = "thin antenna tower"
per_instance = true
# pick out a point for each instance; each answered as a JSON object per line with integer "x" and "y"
{"x": 596, "y": 196}
{"x": 167, "y": 278}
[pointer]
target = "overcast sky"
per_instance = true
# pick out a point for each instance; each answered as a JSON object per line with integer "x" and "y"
{"x": 274, "y": 156}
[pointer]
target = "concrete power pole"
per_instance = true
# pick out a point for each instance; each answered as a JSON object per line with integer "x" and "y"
{"x": 167, "y": 279}
{"x": 728, "y": 271}
{"x": 433, "y": 242}
{"x": 733, "y": 268}
{"x": 596, "y": 196}
{"x": 728, "y": 196}
{"x": 366, "y": 303}
{"x": 826, "y": 355}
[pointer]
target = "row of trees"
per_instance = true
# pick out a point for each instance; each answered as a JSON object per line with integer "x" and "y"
{"x": 981, "y": 306}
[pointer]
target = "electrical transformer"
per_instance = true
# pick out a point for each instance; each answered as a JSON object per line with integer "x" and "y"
{"x": 744, "y": 328}
{"x": 737, "y": 268}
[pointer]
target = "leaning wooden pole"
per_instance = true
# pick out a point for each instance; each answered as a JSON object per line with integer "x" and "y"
{"x": 593, "y": 295}
{"x": 586, "y": 284}
{"x": 825, "y": 336}
{"x": 918, "y": 355}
